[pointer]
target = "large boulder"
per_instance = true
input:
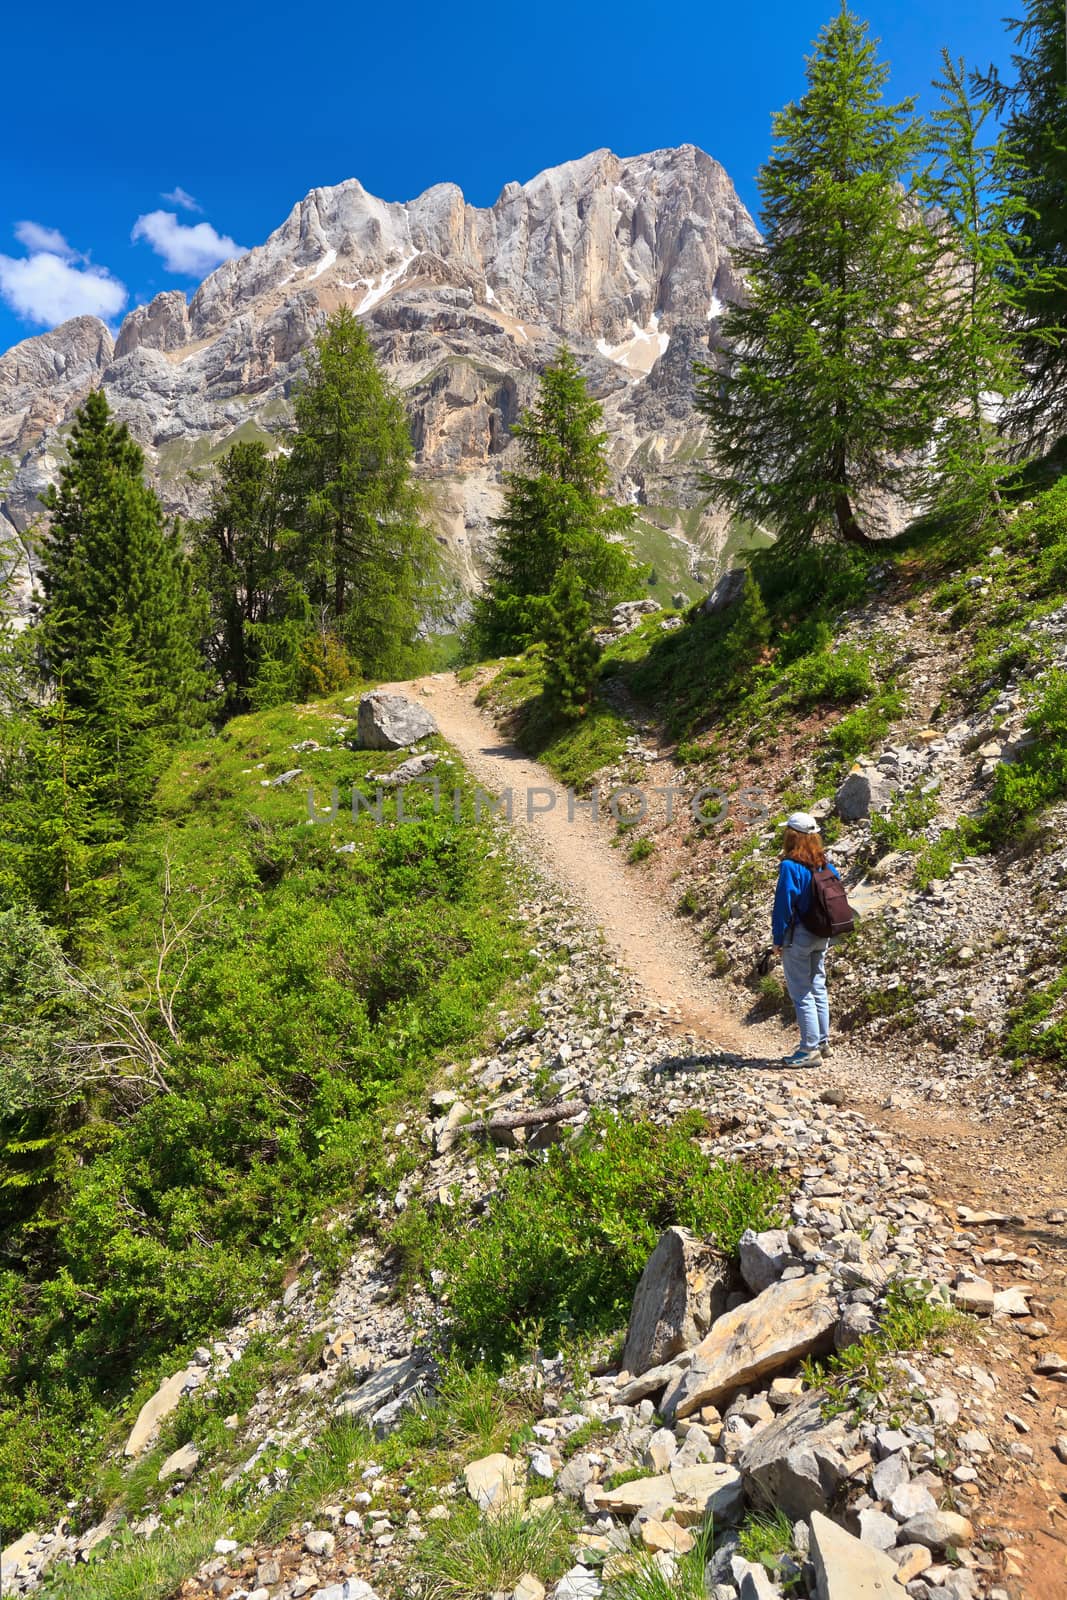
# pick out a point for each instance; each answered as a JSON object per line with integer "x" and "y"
{"x": 162, "y": 1403}
{"x": 937, "y": 1529}
{"x": 848, "y": 1569}
{"x": 628, "y": 612}
{"x": 682, "y": 1290}
{"x": 786, "y": 1322}
{"x": 382, "y": 1398}
{"x": 689, "y": 1493}
{"x": 796, "y": 1463}
{"x": 863, "y": 791}
{"x": 726, "y": 591}
{"x": 391, "y": 722}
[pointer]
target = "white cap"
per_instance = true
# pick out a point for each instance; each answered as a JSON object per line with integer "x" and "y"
{"x": 802, "y": 822}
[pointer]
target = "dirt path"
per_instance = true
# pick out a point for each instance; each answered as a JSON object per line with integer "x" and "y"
{"x": 657, "y": 947}
{"x": 1011, "y": 1166}
{"x": 1019, "y": 1162}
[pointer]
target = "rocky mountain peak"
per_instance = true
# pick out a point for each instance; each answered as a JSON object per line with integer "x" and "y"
{"x": 629, "y": 259}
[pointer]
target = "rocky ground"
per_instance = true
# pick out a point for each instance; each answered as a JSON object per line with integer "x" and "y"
{"x": 947, "y": 1477}
{"x": 936, "y": 970}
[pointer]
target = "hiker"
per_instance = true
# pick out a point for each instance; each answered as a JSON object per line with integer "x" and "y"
{"x": 797, "y": 904}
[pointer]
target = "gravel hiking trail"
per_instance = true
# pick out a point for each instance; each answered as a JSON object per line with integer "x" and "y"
{"x": 1012, "y": 1165}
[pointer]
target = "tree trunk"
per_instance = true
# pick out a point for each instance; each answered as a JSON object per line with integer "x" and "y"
{"x": 847, "y": 526}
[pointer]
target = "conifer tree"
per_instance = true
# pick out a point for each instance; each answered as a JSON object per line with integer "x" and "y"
{"x": 127, "y": 747}
{"x": 245, "y": 553}
{"x": 571, "y": 652}
{"x": 556, "y": 510}
{"x": 62, "y": 836}
{"x": 1033, "y": 112}
{"x": 749, "y": 632}
{"x": 109, "y": 552}
{"x": 981, "y": 293}
{"x": 368, "y": 559}
{"x": 829, "y": 390}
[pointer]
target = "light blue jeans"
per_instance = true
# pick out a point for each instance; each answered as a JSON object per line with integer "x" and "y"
{"x": 804, "y": 970}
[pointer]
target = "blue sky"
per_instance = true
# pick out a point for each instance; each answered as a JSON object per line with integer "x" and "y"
{"x": 236, "y": 112}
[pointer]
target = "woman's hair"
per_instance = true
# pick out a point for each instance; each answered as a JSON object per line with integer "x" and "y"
{"x": 806, "y": 848}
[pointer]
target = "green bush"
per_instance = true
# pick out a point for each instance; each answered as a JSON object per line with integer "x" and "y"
{"x": 832, "y": 676}
{"x": 765, "y": 1537}
{"x": 934, "y": 861}
{"x": 1023, "y": 788}
{"x": 145, "y": 1569}
{"x": 865, "y": 727}
{"x": 564, "y": 1239}
{"x": 901, "y": 828}
{"x": 864, "y": 1374}
{"x": 1037, "y": 1029}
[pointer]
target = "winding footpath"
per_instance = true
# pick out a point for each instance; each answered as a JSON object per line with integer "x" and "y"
{"x": 1003, "y": 1166}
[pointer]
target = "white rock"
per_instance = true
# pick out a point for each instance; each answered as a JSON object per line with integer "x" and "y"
{"x": 911, "y": 1500}
{"x": 494, "y": 1483}
{"x": 392, "y": 722}
{"x": 319, "y": 1543}
{"x": 579, "y": 1584}
{"x": 180, "y": 1463}
{"x": 152, "y": 1413}
{"x": 846, "y": 1569}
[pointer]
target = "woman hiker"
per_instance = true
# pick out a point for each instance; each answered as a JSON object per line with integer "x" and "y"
{"x": 803, "y": 953}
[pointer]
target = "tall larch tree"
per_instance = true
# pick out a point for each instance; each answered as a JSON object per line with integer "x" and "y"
{"x": 571, "y": 650}
{"x": 1032, "y": 108}
{"x": 244, "y": 550}
{"x": 983, "y": 288}
{"x": 368, "y": 557}
{"x": 556, "y": 510}
{"x": 828, "y": 392}
{"x": 109, "y": 552}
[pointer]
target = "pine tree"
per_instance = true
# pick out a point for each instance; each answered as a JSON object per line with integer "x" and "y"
{"x": 556, "y": 510}
{"x": 294, "y": 657}
{"x": 63, "y": 837}
{"x": 128, "y": 749}
{"x": 245, "y": 553}
{"x": 749, "y": 632}
{"x": 368, "y": 559}
{"x": 109, "y": 552}
{"x": 829, "y": 392}
{"x": 571, "y": 652}
{"x": 981, "y": 290}
{"x": 1033, "y": 112}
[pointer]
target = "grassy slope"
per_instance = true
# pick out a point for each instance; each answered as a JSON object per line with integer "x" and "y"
{"x": 321, "y": 989}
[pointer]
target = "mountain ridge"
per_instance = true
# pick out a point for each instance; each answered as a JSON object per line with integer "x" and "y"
{"x": 628, "y": 259}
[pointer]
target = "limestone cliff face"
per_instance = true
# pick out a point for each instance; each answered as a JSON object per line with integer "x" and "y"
{"x": 629, "y": 260}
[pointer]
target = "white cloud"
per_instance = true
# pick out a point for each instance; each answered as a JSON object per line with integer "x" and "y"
{"x": 48, "y": 287}
{"x": 36, "y": 237}
{"x": 181, "y": 197}
{"x": 192, "y": 250}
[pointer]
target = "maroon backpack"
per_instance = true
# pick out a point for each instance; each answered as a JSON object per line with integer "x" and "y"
{"x": 829, "y": 913}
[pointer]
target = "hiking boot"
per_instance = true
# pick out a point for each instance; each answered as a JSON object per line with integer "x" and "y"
{"x": 802, "y": 1058}
{"x": 826, "y": 1049}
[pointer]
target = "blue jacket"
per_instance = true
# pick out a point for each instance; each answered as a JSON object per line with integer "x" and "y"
{"x": 792, "y": 898}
